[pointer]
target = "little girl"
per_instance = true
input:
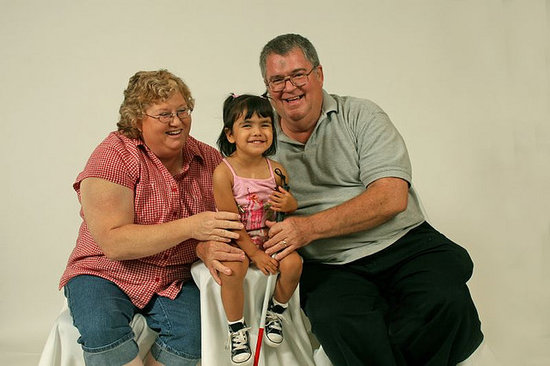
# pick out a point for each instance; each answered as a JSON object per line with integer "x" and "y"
{"x": 245, "y": 182}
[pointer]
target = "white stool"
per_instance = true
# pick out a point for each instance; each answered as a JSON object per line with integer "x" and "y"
{"x": 295, "y": 350}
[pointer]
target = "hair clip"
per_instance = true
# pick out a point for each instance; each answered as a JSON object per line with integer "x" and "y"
{"x": 234, "y": 95}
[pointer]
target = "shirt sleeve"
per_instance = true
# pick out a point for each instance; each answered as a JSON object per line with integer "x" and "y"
{"x": 381, "y": 149}
{"x": 112, "y": 160}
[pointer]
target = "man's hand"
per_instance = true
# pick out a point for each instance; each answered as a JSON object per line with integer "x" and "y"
{"x": 287, "y": 236}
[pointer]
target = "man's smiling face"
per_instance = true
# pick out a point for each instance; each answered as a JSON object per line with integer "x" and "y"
{"x": 297, "y": 106}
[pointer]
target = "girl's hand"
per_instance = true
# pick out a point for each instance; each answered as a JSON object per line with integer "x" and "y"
{"x": 265, "y": 263}
{"x": 283, "y": 201}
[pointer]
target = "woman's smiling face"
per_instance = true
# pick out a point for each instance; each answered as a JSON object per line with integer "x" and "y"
{"x": 166, "y": 141}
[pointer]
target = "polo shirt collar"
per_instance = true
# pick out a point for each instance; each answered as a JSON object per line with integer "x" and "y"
{"x": 329, "y": 104}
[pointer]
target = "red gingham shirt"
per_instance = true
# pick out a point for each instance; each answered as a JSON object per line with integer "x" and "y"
{"x": 158, "y": 197}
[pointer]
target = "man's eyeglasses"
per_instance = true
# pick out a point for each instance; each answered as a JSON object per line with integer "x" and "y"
{"x": 169, "y": 117}
{"x": 298, "y": 79}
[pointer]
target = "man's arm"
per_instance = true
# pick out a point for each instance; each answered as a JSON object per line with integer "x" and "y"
{"x": 381, "y": 201}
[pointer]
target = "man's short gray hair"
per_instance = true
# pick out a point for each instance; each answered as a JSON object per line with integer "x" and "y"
{"x": 283, "y": 44}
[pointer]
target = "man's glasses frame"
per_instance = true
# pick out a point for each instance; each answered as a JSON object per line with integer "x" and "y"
{"x": 298, "y": 79}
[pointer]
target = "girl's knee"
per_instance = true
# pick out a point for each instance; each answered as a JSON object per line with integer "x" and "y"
{"x": 291, "y": 265}
{"x": 238, "y": 271}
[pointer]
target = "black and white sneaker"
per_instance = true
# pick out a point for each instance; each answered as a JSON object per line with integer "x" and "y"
{"x": 274, "y": 325}
{"x": 239, "y": 344}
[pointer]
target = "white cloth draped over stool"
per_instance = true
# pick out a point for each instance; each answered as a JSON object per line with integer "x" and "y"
{"x": 298, "y": 348}
{"x": 62, "y": 349}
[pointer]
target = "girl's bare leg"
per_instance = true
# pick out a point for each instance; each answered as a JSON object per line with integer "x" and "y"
{"x": 135, "y": 362}
{"x": 232, "y": 290}
{"x": 150, "y": 360}
{"x": 290, "y": 268}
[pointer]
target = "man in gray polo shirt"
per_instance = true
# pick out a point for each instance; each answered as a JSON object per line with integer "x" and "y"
{"x": 379, "y": 285}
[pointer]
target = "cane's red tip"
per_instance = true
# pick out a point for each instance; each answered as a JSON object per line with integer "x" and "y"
{"x": 258, "y": 346}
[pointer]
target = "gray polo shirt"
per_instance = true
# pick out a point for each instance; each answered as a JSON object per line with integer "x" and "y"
{"x": 353, "y": 144}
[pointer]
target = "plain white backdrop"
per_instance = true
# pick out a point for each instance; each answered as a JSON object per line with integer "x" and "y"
{"x": 467, "y": 83}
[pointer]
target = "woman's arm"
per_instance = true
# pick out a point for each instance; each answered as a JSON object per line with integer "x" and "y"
{"x": 109, "y": 213}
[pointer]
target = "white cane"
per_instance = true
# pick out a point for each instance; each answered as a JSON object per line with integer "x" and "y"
{"x": 270, "y": 279}
{"x": 267, "y": 295}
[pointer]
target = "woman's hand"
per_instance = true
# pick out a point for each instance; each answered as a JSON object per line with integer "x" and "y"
{"x": 215, "y": 226}
{"x": 282, "y": 201}
{"x": 265, "y": 263}
{"x": 212, "y": 253}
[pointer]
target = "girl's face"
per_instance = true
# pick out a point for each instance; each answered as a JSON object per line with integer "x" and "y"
{"x": 252, "y": 136}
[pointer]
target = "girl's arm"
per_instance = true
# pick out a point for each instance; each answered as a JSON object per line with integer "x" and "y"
{"x": 225, "y": 201}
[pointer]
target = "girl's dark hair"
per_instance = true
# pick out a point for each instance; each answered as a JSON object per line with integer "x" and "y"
{"x": 233, "y": 107}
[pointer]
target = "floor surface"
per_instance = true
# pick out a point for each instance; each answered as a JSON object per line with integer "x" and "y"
{"x": 19, "y": 359}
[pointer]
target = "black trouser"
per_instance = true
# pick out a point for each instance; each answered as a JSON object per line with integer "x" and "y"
{"x": 405, "y": 305}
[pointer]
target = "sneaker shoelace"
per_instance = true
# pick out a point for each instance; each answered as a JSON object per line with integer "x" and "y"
{"x": 273, "y": 321}
{"x": 239, "y": 341}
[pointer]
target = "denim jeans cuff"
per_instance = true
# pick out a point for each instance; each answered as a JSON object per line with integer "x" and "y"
{"x": 169, "y": 356}
{"x": 120, "y": 354}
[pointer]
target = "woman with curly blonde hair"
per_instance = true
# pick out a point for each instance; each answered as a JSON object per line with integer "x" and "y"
{"x": 148, "y": 213}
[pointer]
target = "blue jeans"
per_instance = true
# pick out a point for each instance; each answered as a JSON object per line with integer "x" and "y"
{"x": 102, "y": 312}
